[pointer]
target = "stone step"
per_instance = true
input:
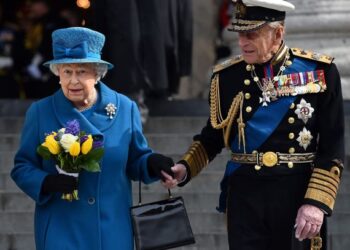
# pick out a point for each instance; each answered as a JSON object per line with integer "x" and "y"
{"x": 6, "y": 183}
{"x": 339, "y": 223}
{"x": 315, "y": 6}
{"x": 196, "y": 201}
{"x": 189, "y": 107}
{"x": 218, "y": 164}
{"x": 22, "y": 222}
{"x": 339, "y": 241}
{"x": 11, "y": 124}
{"x": 332, "y": 23}
{"x": 207, "y": 181}
{"x": 179, "y": 125}
{"x": 6, "y": 160}
{"x": 25, "y": 241}
{"x": 9, "y": 142}
{"x": 14, "y": 107}
{"x": 203, "y": 222}
{"x": 9, "y": 200}
{"x": 17, "y": 201}
{"x": 16, "y": 222}
{"x": 154, "y": 125}
{"x": 17, "y": 241}
{"x": 165, "y": 143}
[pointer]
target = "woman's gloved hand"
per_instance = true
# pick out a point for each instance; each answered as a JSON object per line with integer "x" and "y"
{"x": 157, "y": 162}
{"x": 59, "y": 183}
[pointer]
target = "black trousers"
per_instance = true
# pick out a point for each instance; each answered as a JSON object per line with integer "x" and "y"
{"x": 261, "y": 211}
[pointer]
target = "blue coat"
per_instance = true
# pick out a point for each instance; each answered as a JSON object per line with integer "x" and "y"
{"x": 100, "y": 219}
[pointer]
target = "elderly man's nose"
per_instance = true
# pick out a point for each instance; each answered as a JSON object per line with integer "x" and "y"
{"x": 242, "y": 39}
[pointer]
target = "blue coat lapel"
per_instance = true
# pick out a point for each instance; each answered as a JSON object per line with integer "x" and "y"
{"x": 98, "y": 122}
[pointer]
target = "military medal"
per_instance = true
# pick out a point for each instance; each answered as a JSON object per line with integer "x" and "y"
{"x": 268, "y": 92}
{"x": 267, "y": 86}
{"x": 304, "y": 138}
{"x": 304, "y": 110}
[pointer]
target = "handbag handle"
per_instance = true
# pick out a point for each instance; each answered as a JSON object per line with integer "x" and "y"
{"x": 140, "y": 198}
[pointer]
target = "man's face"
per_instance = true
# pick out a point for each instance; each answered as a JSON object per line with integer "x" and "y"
{"x": 258, "y": 46}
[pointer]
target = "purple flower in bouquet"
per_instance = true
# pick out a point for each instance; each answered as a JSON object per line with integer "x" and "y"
{"x": 83, "y": 139}
{"x": 72, "y": 127}
{"x": 97, "y": 144}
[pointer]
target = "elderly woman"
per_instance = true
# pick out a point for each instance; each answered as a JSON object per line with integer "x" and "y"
{"x": 100, "y": 218}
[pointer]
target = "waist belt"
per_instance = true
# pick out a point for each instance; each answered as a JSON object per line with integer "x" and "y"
{"x": 271, "y": 159}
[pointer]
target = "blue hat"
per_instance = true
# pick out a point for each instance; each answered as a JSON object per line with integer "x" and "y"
{"x": 77, "y": 45}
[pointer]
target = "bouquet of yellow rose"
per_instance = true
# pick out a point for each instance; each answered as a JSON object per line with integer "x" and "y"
{"x": 72, "y": 150}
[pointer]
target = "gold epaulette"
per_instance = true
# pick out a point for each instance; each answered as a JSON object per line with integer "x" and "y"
{"x": 196, "y": 158}
{"x": 312, "y": 55}
{"x": 227, "y": 63}
{"x": 323, "y": 186}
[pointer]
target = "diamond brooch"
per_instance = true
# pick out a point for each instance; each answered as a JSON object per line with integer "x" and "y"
{"x": 111, "y": 109}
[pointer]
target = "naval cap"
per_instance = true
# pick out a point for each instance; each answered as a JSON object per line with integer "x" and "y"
{"x": 250, "y": 15}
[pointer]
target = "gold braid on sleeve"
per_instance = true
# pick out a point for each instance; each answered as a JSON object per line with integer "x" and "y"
{"x": 323, "y": 186}
{"x": 196, "y": 158}
{"x": 216, "y": 119}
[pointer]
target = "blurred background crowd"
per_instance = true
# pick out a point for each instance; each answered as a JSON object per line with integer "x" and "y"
{"x": 149, "y": 42}
{"x": 25, "y": 42}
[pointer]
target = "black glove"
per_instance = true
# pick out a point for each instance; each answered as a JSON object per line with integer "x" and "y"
{"x": 59, "y": 183}
{"x": 158, "y": 162}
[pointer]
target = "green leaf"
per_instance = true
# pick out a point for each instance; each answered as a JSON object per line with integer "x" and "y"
{"x": 95, "y": 154}
{"x": 43, "y": 152}
{"x": 91, "y": 166}
{"x": 79, "y": 160}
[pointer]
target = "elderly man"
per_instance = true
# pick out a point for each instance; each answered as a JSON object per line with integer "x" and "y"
{"x": 279, "y": 111}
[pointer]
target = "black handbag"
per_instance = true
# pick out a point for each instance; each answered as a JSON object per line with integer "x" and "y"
{"x": 161, "y": 225}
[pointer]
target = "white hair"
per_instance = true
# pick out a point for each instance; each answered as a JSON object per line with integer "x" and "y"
{"x": 276, "y": 24}
{"x": 100, "y": 69}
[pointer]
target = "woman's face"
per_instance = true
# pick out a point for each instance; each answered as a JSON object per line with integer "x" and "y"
{"x": 78, "y": 82}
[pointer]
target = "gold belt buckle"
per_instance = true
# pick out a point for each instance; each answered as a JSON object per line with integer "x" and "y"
{"x": 269, "y": 159}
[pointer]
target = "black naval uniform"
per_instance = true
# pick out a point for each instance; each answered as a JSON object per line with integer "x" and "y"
{"x": 300, "y": 160}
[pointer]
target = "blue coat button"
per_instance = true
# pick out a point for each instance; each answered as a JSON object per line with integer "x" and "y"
{"x": 91, "y": 200}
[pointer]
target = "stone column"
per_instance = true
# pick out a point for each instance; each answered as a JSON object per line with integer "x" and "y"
{"x": 205, "y": 31}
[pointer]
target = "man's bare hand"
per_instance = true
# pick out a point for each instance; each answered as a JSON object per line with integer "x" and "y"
{"x": 308, "y": 222}
{"x": 180, "y": 173}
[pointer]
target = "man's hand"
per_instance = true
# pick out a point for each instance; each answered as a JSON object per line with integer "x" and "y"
{"x": 180, "y": 173}
{"x": 308, "y": 222}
